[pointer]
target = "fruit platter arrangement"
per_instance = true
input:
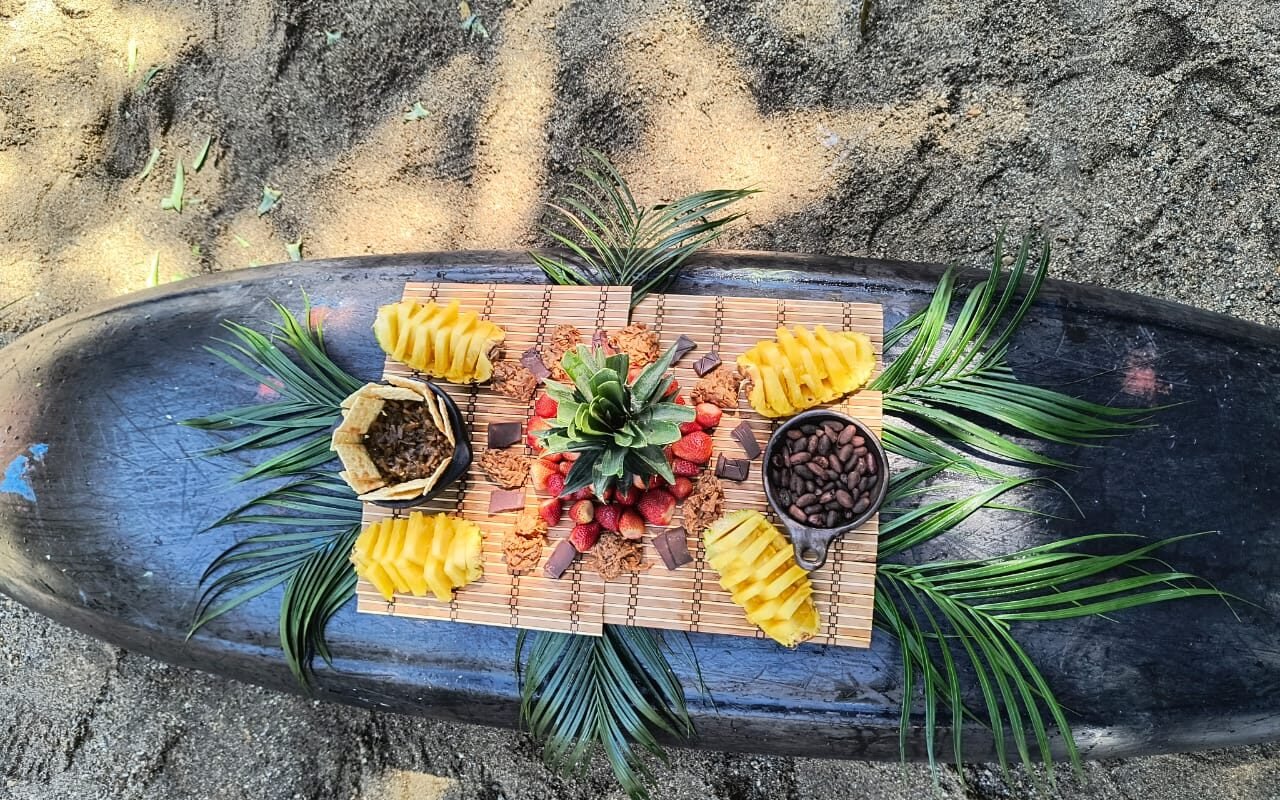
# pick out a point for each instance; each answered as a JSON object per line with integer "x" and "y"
{"x": 548, "y": 457}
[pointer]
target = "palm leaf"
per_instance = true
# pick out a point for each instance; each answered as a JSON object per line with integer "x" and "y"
{"x": 620, "y": 243}
{"x": 614, "y": 691}
{"x": 970, "y": 605}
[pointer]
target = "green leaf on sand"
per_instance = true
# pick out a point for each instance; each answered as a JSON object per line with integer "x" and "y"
{"x": 269, "y": 199}
{"x": 294, "y": 249}
{"x": 202, "y": 155}
{"x": 174, "y": 200}
{"x": 151, "y": 164}
{"x": 416, "y": 113}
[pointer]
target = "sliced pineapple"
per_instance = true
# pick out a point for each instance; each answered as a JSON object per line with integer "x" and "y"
{"x": 443, "y": 341}
{"x": 421, "y": 553}
{"x": 758, "y": 568}
{"x": 801, "y": 369}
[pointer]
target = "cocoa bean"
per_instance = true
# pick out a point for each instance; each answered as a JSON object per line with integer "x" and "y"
{"x": 826, "y": 497}
{"x": 861, "y": 505}
{"x": 847, "y": 434}
{"x": 803, "y": 471}
{"x": 795, "y": 459}
{"x": 805, "y": 499}
{"x": 844, "y": 498}
{"x": 831, "y": 519}
{"x": 824, "y": 445}
{"x": 794, "y": 434}
{"x": 796, "y": 512}
{"x": 845, "y": 452}
{"x": 815, "y": 520}
{"x": 858, "y": 441}
{"x": 815, "y": 470}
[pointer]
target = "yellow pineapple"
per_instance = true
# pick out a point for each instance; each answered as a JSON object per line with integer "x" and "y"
{"x": 419, "y": 553}
{"x": 442, "y": 341}
{"x": 757, "y": 567}
{"x": 801, "y": 369}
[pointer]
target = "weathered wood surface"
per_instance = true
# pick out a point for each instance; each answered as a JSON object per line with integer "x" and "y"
{"x": 103, "y": 495}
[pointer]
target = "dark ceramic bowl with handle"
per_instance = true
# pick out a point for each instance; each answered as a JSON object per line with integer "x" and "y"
{"x": 458, "y": 464}
{"x": 812, "y": 541}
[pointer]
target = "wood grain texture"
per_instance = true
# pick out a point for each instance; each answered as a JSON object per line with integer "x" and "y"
{"x": 689, "y": 598}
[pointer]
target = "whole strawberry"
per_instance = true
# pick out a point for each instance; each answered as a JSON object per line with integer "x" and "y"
{"x": 551, "y": 510}
{"x": 545, "y": 407}
{"x": 682, "y": 488}
{"x": 584, "y": 536}
{"x": 685, "y": 469}
{"x": 695, "y": 447}
{"x": 582, "y": 511}
{"x": 631, "y": 525}
{"x": 708, "y": 415}
{"x": 657, "y": 506}
{"x": 608, "y": 516}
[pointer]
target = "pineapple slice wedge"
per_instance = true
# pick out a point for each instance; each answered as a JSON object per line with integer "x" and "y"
{"x": 759, "y": 570}
{"x": 801, "y": 369}
{"x": 421, "y": 553}
{"x": 443, "y": 341}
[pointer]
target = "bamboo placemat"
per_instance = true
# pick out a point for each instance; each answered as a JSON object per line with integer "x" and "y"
{"x": 529, "y": 315}
{"x": 689, "y": 598}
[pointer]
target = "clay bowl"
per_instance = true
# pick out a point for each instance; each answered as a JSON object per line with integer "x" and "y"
{"x": 812, "y": 542}
{"x": 458, "y": 465}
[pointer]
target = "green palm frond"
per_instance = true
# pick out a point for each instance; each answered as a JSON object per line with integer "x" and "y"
{"x": 309, "y": 524}
{"x": 613, "y": 690}
{"x": 952, "y": 613}
{"x": 291, "y": 361}
{"x": 626, "y": 244}
{"x": 956, "y": 380}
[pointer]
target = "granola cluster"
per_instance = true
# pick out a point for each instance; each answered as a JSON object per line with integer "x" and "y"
{"x": 506, "y": 468}
{"x": 522, "y": 546}
{"x": 563, "y": 339}
{"x": 705, "y": 505}
{"x": 510, "y": 378}
{"x": 638, "y": 342}
{"x": 613, "y": 555}
{"x": 720, "y": 386}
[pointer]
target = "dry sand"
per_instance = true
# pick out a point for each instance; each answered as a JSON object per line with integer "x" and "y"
{"x": 1143, "y": 136}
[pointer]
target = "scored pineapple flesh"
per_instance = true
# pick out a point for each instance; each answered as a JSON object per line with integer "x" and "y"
{"x": 801, "y": 369}
{"x": 759, "y": 570}
{"x": 443, "y": 341}
{"x": 421, "y": 553}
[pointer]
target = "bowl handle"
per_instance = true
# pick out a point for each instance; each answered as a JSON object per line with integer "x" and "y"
{"x": 810, "y": 544}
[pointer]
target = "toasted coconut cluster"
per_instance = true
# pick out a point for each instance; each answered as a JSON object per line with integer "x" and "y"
{"x": 422, "y": 425}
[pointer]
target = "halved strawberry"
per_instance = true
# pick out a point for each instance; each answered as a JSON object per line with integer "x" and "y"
{"x": 608, "y": 516}
{"x": 689, "y": 427}
{"x": 545, "y": 407}
{"x": 682, "y": 488}
{"x": 627, "y": 495}
{"x": 695, "y": 447}
{"x": 582, "y": 511}
{"x": 535, "y": 424}
{"x": 555, "y": 485}
{"x": 541, "y": 471}
{"x": 672, "y": 388}
{"x": 583, "y": 537}
{"x": 551, "y": 510}
{"x": 631, "y": 525}
{"x": 657, "y": 507}
{"x": 683, "y": 468}
{"x": 708, "y": 415}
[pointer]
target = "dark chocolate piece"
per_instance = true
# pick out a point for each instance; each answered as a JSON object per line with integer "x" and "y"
{"x": 684, "y": 346}
{"x": 560, "y": 559}
{"x": 746, "y": 437}
{"x": 673, "y": 546}
{"x": 531, "y": 359}
{"x": 506, "y": 500}
{"x": 733, "y": 469}
{"x": 707, "y": 363}
{"x": 503, "y": 434}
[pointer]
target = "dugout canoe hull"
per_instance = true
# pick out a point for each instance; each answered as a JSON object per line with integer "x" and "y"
{"x": 104, "y": 494}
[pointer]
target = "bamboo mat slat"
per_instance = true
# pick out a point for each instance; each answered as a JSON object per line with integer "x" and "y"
{"x": 689, "y": 598}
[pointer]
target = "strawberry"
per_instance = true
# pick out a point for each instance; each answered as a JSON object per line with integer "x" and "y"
{"x": 608, "y": 516}
{"x": 551, "y": 510}
{"x": 695, "y": 447}
{"x": 684, "y": 468}
{"x": 564, "y": 467}
{"x": 689, "y": 427}
{"x": 541, "y": 471}
{"x": 554, "y": 458}
{"x": 708, "y": 415}
{"x": 680, "y": 401}
{"x": 545, "y": 407}
{"x": 639, "y": 482}
{"x": 535, "y": 424}
{"x": 657, "y": 506}
{"x": 682, "y": 488}
{"x": 555, "y": 485}
{"x": 631, "y": 525}
{"x": 572, "y": 456}
{"x": 609, "y": 494}
{"x": 672, "y": 388}
{"x": 582, "y": 511}
{"x": 633, "y": 372}
{"x": 628, "y": 496}
{"x": 584, "y": 536}
{"x": 584, "y": 493}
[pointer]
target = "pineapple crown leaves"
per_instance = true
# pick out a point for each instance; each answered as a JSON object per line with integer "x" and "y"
{"x": 617, "y": 429}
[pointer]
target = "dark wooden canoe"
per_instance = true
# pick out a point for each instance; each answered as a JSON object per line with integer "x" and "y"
{"x": 104, "y": 494}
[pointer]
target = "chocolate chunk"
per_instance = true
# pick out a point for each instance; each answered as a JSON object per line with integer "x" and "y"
{"x": 560, "y": 559}
{"x": 733, "y": 469}
{"x": 707, "y": 363}
{"x": 503, "y": 434}
{"x": 746, "y": 437}
{"x": 684, "y": 346}
{"x": 531, "y": 359}
{"x": 673, "y": 546}
{"x": 506, "y": 500}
